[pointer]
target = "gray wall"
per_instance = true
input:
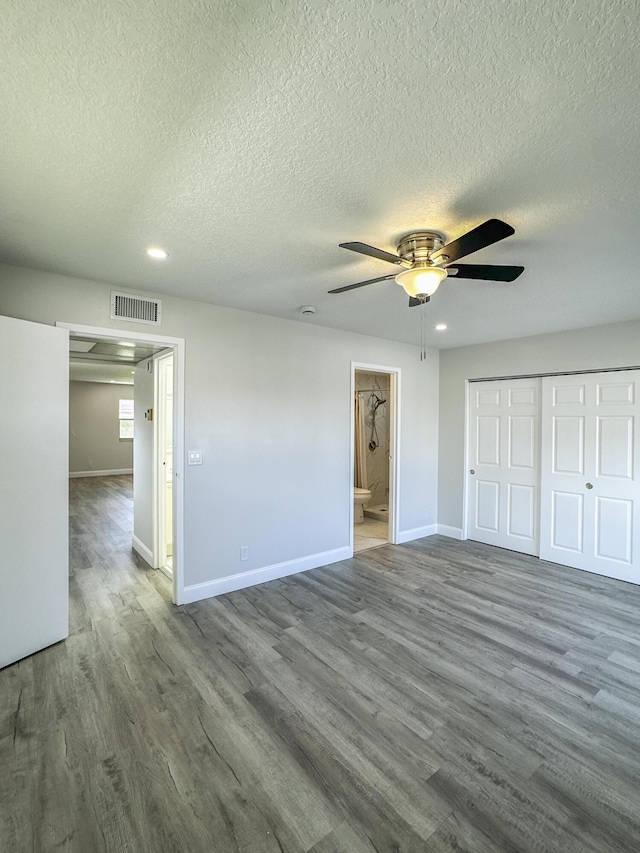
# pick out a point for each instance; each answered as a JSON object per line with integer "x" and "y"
{"x": 94, "y": 443}
{"x": 268, "y": 402}
{"x": 599, "y": 347}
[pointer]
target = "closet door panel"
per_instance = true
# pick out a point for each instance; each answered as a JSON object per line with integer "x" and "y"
{"x": 488, "y": 505}
{"x": 503, "y": 453}
{"x": 567, "y": 517}
{"x": 521, "y": 511}
{"x": 614, "y": 447}
{"x": 614, "y": 533}
{"x": 567, "y": 455}
{"x": 488, "y": 450}
{"x": 522, "y": 437}
{"x": 590, "y": 476}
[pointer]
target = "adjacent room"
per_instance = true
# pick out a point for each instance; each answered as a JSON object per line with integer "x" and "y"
{"x": 320, "y": 427}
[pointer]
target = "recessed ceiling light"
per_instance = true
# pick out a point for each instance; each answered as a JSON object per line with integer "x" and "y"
{"x": 158, "y": 254}
{"x": 133, "y": 372}
{"x": 440, "y": 327}
{"x": 113, "y": 381}
{"x": 125, "y": 344}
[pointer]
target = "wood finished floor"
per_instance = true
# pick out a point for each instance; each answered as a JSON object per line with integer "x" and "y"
{"x": 437, "y": 696}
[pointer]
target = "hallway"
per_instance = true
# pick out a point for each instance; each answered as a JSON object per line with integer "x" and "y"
{"x": 105, "y": 573}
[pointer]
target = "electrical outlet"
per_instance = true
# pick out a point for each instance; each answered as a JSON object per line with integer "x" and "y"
{"x": 244, "y": 552}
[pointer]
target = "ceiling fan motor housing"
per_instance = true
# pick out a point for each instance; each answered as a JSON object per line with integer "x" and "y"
{"x": 418, "y": 245}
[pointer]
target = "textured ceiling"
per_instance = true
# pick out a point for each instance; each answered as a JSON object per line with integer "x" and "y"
{"x": 250, "y": 138}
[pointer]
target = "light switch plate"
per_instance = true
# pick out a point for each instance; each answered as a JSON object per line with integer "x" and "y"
{"x": 194, "y": 457}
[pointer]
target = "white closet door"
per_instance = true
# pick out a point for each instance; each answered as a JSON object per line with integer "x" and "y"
{"x": 504, "y": 442}
{"x": 590, "y": 513}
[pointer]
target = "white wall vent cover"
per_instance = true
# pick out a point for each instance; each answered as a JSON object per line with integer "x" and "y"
{"x": 138, "y": 309}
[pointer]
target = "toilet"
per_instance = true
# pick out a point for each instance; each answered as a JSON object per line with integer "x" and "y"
{"x": 360, "y": 498}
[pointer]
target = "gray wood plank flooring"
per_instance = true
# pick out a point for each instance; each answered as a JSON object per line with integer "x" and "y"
{"x": 437, "y": 696}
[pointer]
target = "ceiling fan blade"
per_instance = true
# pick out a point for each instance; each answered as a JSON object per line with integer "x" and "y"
{"x": 486, "y": 272}
{"x": 361, "y": 284}
{"x": 363, "y": 249}
{"x": 484, "y": 235}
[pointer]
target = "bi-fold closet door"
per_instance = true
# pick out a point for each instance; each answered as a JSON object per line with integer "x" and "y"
{"x": 554, "y": 469}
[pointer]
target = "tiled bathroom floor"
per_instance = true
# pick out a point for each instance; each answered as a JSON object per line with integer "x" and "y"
{"x": 370, "y": 534}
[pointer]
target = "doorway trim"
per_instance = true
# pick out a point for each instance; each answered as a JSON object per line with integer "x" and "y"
{"x": 159, "y": 457}
{"x": 394, "y": 444}
{"x": 178, "y": 345}
{"x": 465, "y": 479}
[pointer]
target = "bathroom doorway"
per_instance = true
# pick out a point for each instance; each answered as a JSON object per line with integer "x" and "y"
{"x": 374, "y": 432}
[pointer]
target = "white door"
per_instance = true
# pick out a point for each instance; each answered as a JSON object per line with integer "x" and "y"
{"x": 34, "y": 488}
{"x": 163, "y": 366}
{"x": 590, "y": 516}
{"x": 503, "y": 454}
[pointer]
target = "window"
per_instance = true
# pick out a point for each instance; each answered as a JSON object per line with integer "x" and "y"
{"x": 125, "y": 413}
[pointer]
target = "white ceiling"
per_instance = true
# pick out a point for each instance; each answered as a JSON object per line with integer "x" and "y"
{"x": 249, "y": 139}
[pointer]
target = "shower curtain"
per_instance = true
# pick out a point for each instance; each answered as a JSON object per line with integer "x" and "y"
{"x": 360, "y": 472}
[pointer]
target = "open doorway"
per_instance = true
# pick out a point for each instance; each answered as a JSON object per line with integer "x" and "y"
{"x": 155, "y": 365}
{"x": 163, "y": 371}
{"x": 374, "y": 473}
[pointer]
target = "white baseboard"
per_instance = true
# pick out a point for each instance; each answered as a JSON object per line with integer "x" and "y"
{"x": 100, "y": 473}
{"x": 451, "y": 532}
{"x": 140, "y": 548}
{"x": 416, "y": 533}
{"x": 231, "y": 583}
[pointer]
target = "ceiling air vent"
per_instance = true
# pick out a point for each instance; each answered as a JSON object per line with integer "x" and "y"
{"x": 138, "y": 309}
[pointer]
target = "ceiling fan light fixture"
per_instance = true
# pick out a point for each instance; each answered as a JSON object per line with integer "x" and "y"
{"x": 421, "y": 280}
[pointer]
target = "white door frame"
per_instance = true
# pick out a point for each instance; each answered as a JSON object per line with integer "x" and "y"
{"x": 178, "y": 345}
{"x": 159, "y": 454}
{"x": 394, "y": 444}
{"x": 465, "y": 478}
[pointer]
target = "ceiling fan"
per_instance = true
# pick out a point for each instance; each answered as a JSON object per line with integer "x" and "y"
{"x": 427, "y": 260}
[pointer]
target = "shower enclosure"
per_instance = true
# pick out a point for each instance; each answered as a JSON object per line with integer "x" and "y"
{"x": 372, "y": 431}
